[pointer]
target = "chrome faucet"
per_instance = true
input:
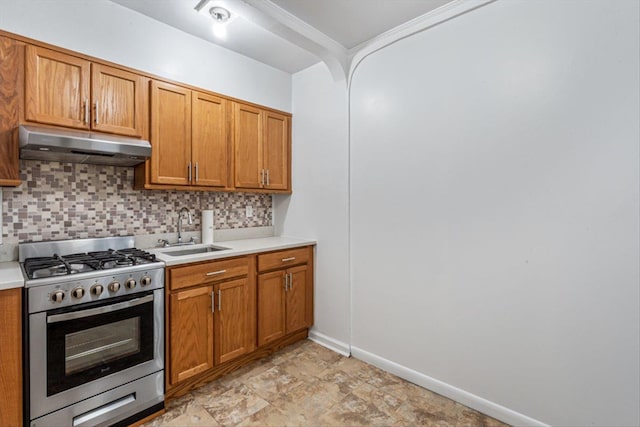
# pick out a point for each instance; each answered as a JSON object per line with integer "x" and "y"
{"x": 190, "y": 221}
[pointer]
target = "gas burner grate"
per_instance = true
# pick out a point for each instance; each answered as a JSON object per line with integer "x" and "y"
{"x": 82, "y": 262}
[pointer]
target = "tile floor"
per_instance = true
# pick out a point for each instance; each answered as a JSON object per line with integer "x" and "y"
{"x": 306, "y": 384}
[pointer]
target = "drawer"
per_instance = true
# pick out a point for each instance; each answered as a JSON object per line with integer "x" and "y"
{"x": 283, "y": 259}
{"x": 191, "y": 275}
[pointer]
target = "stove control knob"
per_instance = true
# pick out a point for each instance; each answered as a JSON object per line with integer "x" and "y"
{"x": 114, "y": 286}
{"x": 145, "y": 281}
{"x": 130, "y": 284}
{"x": 77, "y": 293}
{"x": 57, "y": 296}
{"x": 97, "y": 289}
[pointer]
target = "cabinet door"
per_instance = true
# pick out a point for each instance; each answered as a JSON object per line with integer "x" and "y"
{"x": 231, "y": 320}
{"x": 11, "y": 58}
{"x": 297, "y": 317}
{"x": 247, "y": 142}
{"x": 56, "y": 88}
{"x": 209, "y": 143}
{"x": 170, "y": 134}
{"x": 11, "y": 366}
{"x": 117, "y": 98}
{"x": 276, "y": 150}
{"x": 191, "y": 333}
{"x": 271, "y": 306}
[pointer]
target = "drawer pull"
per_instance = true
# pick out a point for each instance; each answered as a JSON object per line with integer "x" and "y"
{"x": 289, "y": 259}
{"x": 215, "y": 273}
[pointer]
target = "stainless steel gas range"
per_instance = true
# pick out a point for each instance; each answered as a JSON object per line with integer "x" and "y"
{"x": 94, "y": 323}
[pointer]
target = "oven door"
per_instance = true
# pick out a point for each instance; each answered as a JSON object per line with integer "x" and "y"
{"x": 81, "y": 351}
{"x": 91, "y": 343}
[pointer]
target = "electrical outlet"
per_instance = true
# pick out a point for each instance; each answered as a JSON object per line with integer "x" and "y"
{"x": 248, "y": 211}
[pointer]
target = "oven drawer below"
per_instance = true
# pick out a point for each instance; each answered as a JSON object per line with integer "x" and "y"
{"x": 109, "y": 407}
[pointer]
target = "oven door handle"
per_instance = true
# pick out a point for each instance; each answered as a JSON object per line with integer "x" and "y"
{"x": 100, "y": 310}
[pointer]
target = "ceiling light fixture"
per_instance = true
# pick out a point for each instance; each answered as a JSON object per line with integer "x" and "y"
{"x": 221, "y": 16}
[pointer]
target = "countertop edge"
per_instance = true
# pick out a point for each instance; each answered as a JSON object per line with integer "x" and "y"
{"x": 11, "y": 275}
{"x": 237, "y": 248}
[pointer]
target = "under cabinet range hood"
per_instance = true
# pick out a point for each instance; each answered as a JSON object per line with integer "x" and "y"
{"x": 62, "y": 145}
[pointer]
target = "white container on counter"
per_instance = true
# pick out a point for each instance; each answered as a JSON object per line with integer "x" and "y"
{"x": 207, "y": 226}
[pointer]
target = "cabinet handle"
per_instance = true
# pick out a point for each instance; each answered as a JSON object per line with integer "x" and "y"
{"x": 289, "y": 259}
{"x": 290, "y": 281}
{"x": 86, "y": 111}
{"x": 286, "y": 282}
{"x": 214, "y": 273}
{"x": 189, "y": 171}
{"x": 268, "y": 177}
{"x": 262, "y": 177}
{"x": 95, "y": 112}
{"x": 213, "y": 302}
{"x": 197, "y": 171}
{"x": 219, "y": 300}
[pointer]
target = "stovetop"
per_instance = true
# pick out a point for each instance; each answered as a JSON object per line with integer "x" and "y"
{"x": 63, "y": 265}
{"x": 84, "y": 261}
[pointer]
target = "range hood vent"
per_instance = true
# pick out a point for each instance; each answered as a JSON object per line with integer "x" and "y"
{"x": 61, "y": 145}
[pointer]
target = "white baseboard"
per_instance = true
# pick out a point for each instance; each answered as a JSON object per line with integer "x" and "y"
{"x": 487, "y": 407}
{"x": 330, "y": 343}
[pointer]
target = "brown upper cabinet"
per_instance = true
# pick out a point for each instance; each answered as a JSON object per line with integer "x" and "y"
{"x": 170, "y": 134}
{"x": 261, "y": 148}
{"x": 200, "y": 140}
{"x": 209, "y": 140}
{"x": 65, "y": 90}
{"x": 11, "y": 56}
{"x": 188, "y": 136}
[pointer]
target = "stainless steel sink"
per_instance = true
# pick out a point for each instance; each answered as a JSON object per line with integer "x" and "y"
{"x": 193, "y": 251}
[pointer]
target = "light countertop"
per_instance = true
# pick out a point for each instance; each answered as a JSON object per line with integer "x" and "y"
{"x": 235, "y": 248}
{"x": 10, "y": 275}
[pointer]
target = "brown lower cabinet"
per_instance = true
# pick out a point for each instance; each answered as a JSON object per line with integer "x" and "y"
{"x": 11, "y": 366}
{"x": 225, "y": 313}
{"x": 211, "y": 316}
{"x": 285, "y": 295}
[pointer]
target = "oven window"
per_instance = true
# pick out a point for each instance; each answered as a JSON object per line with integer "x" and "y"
{"x": 94, "y": 340}
{"x": 100, "y": 345}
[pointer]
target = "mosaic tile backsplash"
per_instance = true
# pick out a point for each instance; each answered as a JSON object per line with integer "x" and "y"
{"x": 71, "y": 200}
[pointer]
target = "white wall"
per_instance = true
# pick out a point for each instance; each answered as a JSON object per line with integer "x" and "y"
{"x": 318, "y": 206}
{"x": 112, "y": 32}
{"x": 494, "y": 207}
